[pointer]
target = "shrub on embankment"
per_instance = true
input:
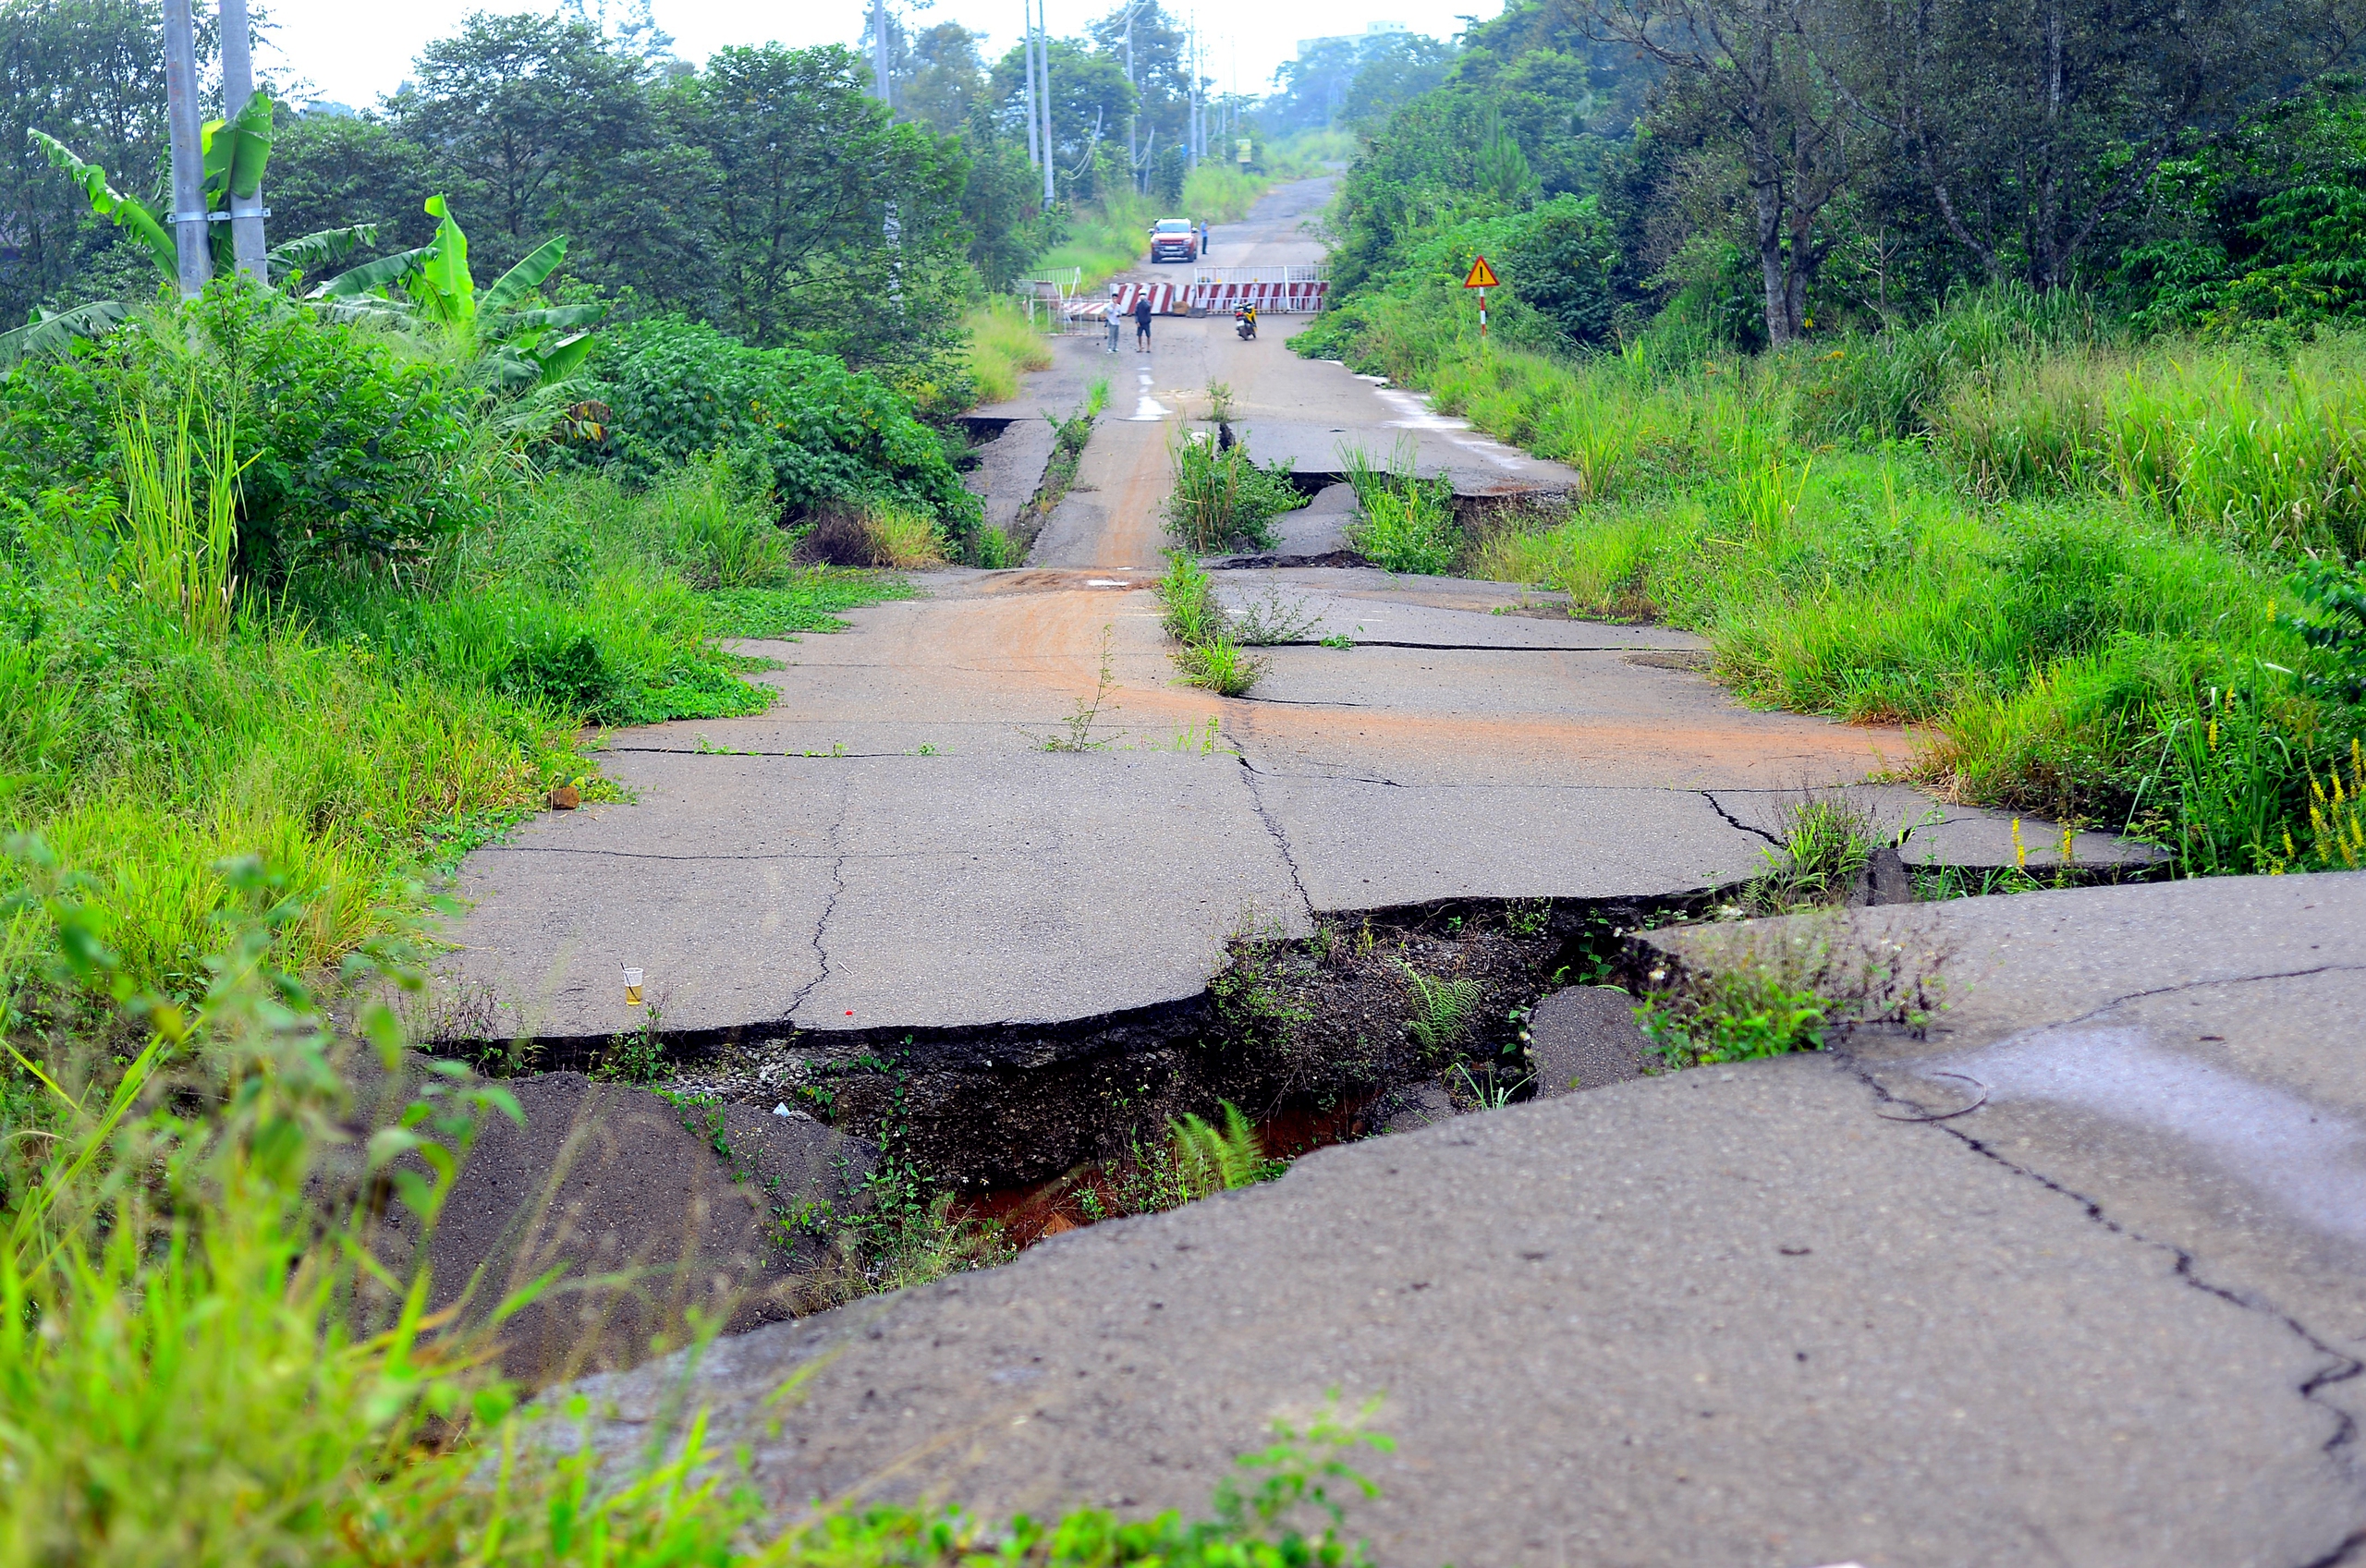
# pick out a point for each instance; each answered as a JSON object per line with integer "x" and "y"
{"x": 370, "y": 650}
{"x": 2063, "y": 556}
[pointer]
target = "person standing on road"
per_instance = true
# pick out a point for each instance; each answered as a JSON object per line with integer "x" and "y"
{"x": 1203, "y": 239}
{"x": 1112, "y": 317}
{"x": 1141, "y": 323}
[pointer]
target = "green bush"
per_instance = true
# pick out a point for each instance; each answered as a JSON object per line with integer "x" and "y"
{"x": 677, "y": 391}
{"x": 1223, "y": 499}
{"x": 352, "y": 451}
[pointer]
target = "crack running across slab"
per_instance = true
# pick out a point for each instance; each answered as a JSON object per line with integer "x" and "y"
{"x": 821, "y": 922}
{"x": 1280, "y": 842}
{"x": 1718, "y": 807}
{"x": 2338, "y": 1367}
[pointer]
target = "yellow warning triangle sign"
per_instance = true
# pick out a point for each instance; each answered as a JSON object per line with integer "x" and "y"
{"x": 1481, "y": 275}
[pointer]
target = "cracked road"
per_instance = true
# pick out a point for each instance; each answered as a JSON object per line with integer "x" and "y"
{"x": 1756, "y": 1315}
{"x": 890, "y": 845}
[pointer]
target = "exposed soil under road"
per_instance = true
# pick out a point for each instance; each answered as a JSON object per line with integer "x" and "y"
{"x": 898, "y": 862}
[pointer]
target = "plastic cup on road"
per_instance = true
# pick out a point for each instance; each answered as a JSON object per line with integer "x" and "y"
{"x": 632, "y": 988}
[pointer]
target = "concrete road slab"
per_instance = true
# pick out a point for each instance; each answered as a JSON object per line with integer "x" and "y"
{"x": 1010, "y": 469}
{"x": 2191, "y": 1057}
{"x": 1382, "y": 620}
{"x": 1728, "y": 1317}
{"x": 768, "y": 891}
{"x": 1936, "y": 833}
{"x": 725, "y": 942}
{"x": 1359, "y": 844}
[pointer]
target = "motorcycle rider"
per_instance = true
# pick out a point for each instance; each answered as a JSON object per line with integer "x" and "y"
{"x": 1244, "y": 318}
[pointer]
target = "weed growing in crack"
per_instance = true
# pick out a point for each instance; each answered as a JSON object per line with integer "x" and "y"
{"x": 1493, "y": 1094}
{"x": 1269, "y": 618}
{"x": 1220, "y": 666}
{"x": 1442, "y": 1009}
{"x": 636, "y": 1055}
{"x": 1211, "y": 656}
{"x": 1406, "y": 522}
{"x": 1772, "y": 988}
{"x": 1187, "y": 593}
{"x": 1828, "y": 840}
{"x": 1081, "y": 723}
{"x": 1253, "y": 993}
{"x": 1222, "y": 499}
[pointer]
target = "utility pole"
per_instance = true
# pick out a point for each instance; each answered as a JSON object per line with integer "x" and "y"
{"x": 1044, "y": 52}
{"x": 188, "y": 217}
{"x": 1027, "y": 37}
{"x": 1133, "y": 115}
{"x": 1191, "y": 93}
{"x": 238, "y": 86}
{"x": 879, "y": 83}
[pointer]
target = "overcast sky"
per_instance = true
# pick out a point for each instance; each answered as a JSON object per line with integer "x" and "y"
{"x": 353, "y": 53}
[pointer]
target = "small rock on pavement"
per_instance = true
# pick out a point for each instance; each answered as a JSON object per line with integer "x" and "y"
{"x": 1585, "y": 1037}
{"x": 1883, "y": 881}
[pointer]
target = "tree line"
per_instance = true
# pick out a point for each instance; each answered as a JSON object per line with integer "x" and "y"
{"x": 764, "y": 191}
{"x": 1783, "y": 164}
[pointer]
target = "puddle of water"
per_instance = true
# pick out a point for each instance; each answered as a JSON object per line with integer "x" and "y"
{"x": 1031, "y": 1214}
{"x": 2303, "y": 1157}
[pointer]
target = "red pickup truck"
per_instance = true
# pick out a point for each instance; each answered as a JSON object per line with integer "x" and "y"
{"x": 1174, "y": 239}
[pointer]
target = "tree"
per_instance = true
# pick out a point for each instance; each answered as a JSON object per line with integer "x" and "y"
{"x": 1396, "y": 68}
{"x": 946, "y": 83}
{"x": 1750, "y": 63}
{"x": 91, "y": 73}
{"x": 333, "y": 170}
{"x": 524, "y": 107}
{"x": 809, "y": 169}
{"x": 2033, "y": 123}
{"x": 1090, "y": 98}
{"x": 1162, "y": 83}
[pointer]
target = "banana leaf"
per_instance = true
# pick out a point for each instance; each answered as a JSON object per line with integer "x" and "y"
{"x": 525, "y": 277}
{"x": 109, "y": 202}
{"x": 445, "y": 291}
{"x": 236, "y": 152}
{"x": 386, "y": 271}
{"x": 564, "y": 358}
{"x": 559, "y": 317}
{"x": 322, "y": 248}
{"x": 47, "y": 333}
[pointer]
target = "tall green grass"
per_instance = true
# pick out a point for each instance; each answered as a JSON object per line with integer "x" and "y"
{"x": 215, "y": 1347}
{"x": 2056, "y": 553}
{"x": 1219, "y": 193}
{"x": 1002, "y": 347}
{"x": 362, "y": 727}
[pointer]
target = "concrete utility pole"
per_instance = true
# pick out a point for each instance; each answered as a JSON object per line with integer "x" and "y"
{"x": 188, "y": 217}
{"x": 1044, "y": 52}
{"x": 879, "y": 83}
{"x": 1034, "y": 155}
{"x": 238, "y": 86}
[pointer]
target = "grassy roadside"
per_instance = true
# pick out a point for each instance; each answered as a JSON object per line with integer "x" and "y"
{"x": 356, "y": 727}
{"x": 2072, "y": 562}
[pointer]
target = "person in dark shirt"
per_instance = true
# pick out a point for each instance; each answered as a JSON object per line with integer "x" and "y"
{"x": 1141, "y": 323}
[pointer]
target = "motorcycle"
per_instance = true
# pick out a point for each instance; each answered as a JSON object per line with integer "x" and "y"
{"x": 1244, "y": 321}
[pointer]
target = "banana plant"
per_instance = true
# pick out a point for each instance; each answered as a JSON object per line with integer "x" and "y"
{"x": 538, "y": 344}
{"x": 236, "y": 152}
